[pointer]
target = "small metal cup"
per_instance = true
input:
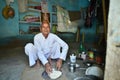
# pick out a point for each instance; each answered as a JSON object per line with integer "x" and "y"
{"x": 72, "y": 67}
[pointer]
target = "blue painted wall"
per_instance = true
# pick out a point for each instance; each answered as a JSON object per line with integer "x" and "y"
{"x": 83, "y": 3}
{"x": 9, "y": 27}
{"x": 67, "y": 4}
{"x": 73, "y": 5}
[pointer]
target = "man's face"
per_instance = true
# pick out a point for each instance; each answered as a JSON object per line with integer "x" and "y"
{"x": 45, "y": 29}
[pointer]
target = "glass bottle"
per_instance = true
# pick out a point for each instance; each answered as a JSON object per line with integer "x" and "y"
{"x": 81, "y": 48}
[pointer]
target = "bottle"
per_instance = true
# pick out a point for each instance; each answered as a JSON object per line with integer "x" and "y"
{"x": 81, "y": 48}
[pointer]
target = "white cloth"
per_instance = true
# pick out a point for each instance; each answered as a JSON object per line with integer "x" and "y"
{"x": 64, "y": 23}
{"x": 45, "y": 48}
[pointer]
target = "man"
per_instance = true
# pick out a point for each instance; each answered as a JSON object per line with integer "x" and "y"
{"x": 46, "y": 47}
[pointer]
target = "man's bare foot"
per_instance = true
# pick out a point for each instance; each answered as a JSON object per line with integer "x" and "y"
{"x": 37, "y": 65}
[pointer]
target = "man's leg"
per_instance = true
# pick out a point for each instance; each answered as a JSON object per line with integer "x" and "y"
{"x": 31, "y": 52}
{"x": 55, "y": 51}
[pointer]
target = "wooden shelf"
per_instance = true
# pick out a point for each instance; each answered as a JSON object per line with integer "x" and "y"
{"x": 54, "y": 13}
{"x": 32, "y": 17}
{"x": 34, "y": 2}
{"x": 32, "y": 9}
{"x": 29, "y": 22}
{"x": 54, "y": 23}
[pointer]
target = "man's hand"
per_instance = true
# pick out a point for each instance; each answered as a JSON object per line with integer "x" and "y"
{"x": 48, "y": 68}
{"x": 49, "y": 60}
{"x": 59, "y": 64}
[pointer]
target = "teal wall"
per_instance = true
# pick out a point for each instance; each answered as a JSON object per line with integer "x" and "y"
{"x": 9, "y": 27}
{"x": 67, "y": 4}
{"x": 83, "y": 3}
{"x": 73, "y": 5}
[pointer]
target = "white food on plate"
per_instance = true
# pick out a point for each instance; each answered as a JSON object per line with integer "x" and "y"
{"x": 55, "y": 74}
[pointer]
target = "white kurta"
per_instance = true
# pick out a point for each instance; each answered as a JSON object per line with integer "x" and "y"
{"x": 45, "y": 48}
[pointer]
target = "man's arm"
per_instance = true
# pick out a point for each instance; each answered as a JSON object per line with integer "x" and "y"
{"x": 63, "y": 54}
{"x": 64, "y": 46}
{"x": 59, "y": 64}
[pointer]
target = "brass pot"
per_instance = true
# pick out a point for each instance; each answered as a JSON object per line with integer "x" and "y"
{"x": 8, "y": 12}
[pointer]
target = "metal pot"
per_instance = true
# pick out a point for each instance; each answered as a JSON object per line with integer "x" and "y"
{"x": 87, "y": 77}
{"x": 8, "y": 12}
{"x": 72, "y": 67}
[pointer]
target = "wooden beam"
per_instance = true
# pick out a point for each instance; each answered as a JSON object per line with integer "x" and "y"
{"x": 104, "y": 18}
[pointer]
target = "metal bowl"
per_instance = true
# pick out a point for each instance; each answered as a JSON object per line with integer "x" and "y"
{"x": 82, "y": 78}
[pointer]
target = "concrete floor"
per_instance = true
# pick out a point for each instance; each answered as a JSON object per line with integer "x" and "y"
{"x": 14, "y": 66}
{"x": 14, "y": 63}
